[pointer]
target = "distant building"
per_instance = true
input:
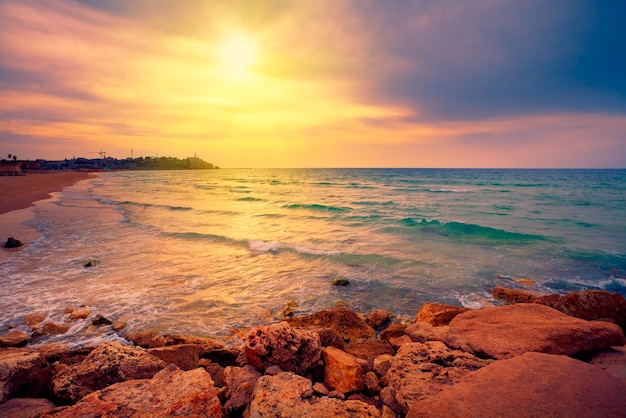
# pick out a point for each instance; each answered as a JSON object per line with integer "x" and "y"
{"x": 10, "y": 169}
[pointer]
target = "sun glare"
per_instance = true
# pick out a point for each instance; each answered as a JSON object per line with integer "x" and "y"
{"x": 237, "y": 54}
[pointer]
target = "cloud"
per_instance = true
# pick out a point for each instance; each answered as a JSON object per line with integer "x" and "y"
{"x": 396, "y": 83}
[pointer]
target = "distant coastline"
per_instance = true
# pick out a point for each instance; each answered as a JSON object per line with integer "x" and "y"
{"x": 105, "y": 164}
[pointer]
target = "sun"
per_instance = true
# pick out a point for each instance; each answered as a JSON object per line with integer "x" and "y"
{"x": 237, "y": 55}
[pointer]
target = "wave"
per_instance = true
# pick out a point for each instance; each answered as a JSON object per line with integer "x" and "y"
{"x": 260, "y": 247}
{"x": 144, "y": 205}
{"x": 470, "y": 232}
{"x": 318, "y": 207}
{"x": 251, "y": 199}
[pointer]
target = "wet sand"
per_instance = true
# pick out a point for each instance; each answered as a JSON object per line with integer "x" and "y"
{"x": 18, "y": 194}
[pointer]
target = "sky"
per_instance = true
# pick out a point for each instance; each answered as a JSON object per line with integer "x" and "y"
{"x": 328, "y": 83}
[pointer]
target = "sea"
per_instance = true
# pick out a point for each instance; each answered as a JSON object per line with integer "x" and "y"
{"x": 214, "y": 252}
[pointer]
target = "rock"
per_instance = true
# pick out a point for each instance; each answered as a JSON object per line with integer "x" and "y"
{"x": 397, "y": 342}
{"x": 50, "y": 328}
{"x": 279, "y": 396}
{"x": 15, "y": 338}
{"x": 328, "y": 337}
{"x": 378, "y": 318}
{"x": 289, "y": 396}
{"x": 344, "y": 322}
{"x": 371, "y": 384}
{"x": 341, "y": 282}
{"x": 421, "y": 332}
{"x": 507, "y": 331}
{"x": 530, "y": 385}
{"x": 382, "y": 364}
{"x": 589, "y": 305}
{"x": 33, "y": 320}
{"x": 513, "y": 295}
{"x": 23, "y": 373}
{"x": 289, "y": 309}
{"x": 419, "y": 371}
{"x": 438, "y": 314}
{"x": 109, "y": 363}
{"x": 295, "y": 350}
{"x": 12, "y": 243}
{"x": 342, "y": 371}
{"x": 240, "y": 383}
{"x": 184, "y": 356}
{"x": 171, "y": 392}
{"x": 91, "y": 263}
{"x": 394, "y": 330}
{"x": 79, "y": 314}
{"x": 320, "y": 389}
{"x": 217, "y": 374}
{"x": 612, "y": 360}
{"x": 100, "y": 320}
{"x": 24, "y": 407}
{"x": 369, "y": 350}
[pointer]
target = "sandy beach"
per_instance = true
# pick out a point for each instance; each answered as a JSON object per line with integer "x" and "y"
{"x": 19, "y": 193}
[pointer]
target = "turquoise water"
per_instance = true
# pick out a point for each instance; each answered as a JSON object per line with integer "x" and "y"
{"x": 206, "y": 251}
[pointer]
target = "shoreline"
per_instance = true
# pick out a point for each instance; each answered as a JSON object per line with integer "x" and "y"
{"x": 18, "y": 194}
{"x": 549, "y": 355}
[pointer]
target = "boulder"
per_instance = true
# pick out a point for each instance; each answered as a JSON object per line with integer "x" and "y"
{"x": 530, "y": 385}
{"x": 419, "y": 371}
{"x": 240, "y": 383}
{"x": 369, "y": 350}
{"x": 509, "y": 295}
{"x": 33, "y": 320}
{"x": 346, "y": 323}
{"x": 109, "y": 363}
{"x": 342, "y": 371}
{"x": 420, "y": 332}
{"x": 613, "y": 360}
{"x": 292, "y": 349}
{"x": 79, "y": 314}
{"x": 279, "y": 396}
{"x": 382, "y": 364}
{"x": 328, "y": 337}
{"x": 511, "y": 330}
{"x": 394, "y": 330}
{"x": 589, "y": 305}
{"x": 101, "y": 320}
{"x": 438, "y": 314}
{"x": 184, "y": 356}
{"x": 171, "y": 392}
{"x": 287, "y": 395}
{"x": 52, "y": 328}
{"x": 12, "y": 243}
{"x": 14, "y": 338}
{"x": 378, "y": 318}
{"x": 24, "y": 407}
{"x": 23, "y": 373}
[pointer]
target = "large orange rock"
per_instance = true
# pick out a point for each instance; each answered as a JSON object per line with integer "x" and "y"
{"x": 171, "y": 392}
{"x": 290, "y": 396}
{"x": 14, "y": 338}
{"x": 23, "y": 373}
{"x": 109, "y": 363}
{"x": 511, "y": 330}
{"x": 509, "y": 295}
{"x": 419, "y": 371}
{"x": 438, "y": 314}
{"x": 530, "y": 385}
{"x": 184, "y": 356}
{"x": 589, "y": 305}
{"x": 239, "y": 382}
{"x": 342, "y": 371}
{"x": 294, "y": 350}
{"x": 344, "y": 322}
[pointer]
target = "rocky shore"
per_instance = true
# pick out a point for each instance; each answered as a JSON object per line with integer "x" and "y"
{"x": 537, "y": 355}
